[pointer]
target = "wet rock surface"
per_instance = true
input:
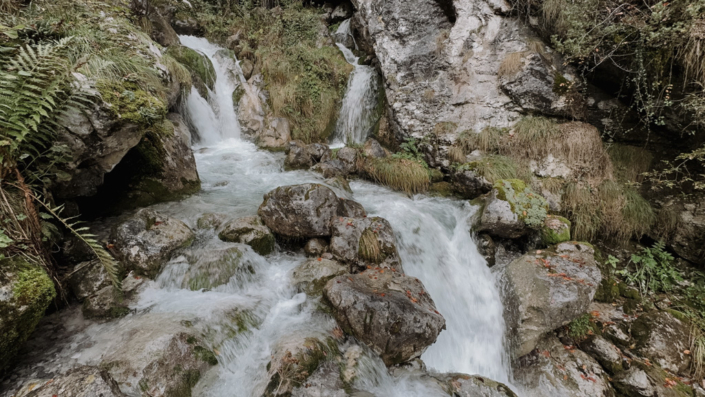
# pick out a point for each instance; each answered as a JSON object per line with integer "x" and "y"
{"x": 312, "y": 275}
{"x": 299, "y": 210}
{"x": 463, "y": 385}
{"x": 147, "y": 240}
{"x": 497, "y": 218}
{"x": 664, "y": 339}
{"x": 469, "y": 185}
{"x": 80, "y": 382}
{"x": 364, "y": 242}
{"x": 546, "y": 289}
{"x": 391, "y": 313}
{"x": 211, "y": 269}
{"x": 554, "y": 369}
{"x": 251, "y": 231}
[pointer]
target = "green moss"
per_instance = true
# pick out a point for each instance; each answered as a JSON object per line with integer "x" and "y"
{"x": 237, "y": 95}
{"x": 607, "y": 291}
{"x": 555, "y": 230}
{"x": 561, "y": 85}
{"x": 131, "y": 103}
{"x": 529, "y": 206}
{"x": 435, "y": 174}
{"x": 580, "y": 327}
{"x": 205, "y": 355}
{"x": 201, "y": 68}
{"x": 32, "y": 292}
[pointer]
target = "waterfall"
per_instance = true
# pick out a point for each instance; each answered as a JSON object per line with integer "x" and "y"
{"x": 214, "y": 117}
{"x": 433, "y": 240}
{"x": 357, "y": 113}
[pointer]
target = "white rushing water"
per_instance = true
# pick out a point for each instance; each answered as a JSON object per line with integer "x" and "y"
{"x": 433, "y": 240}
{"x": 357, "y": 113}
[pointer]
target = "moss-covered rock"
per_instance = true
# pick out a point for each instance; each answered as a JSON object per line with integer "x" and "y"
{"x": 201, "y": 68}
{"x": 555, "y": 229}
{"x": 215, "y": 268}
{"x": 130, "y": 103}
{"x": 25, "y": 293}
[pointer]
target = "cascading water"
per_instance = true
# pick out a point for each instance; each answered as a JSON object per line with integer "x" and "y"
{"x": 213, "y": 117}
{"x": 433, "y": 240}
{"x": 357, "y": 113}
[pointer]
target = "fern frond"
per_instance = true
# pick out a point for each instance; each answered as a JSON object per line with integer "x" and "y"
{"x": 106, "y": 260}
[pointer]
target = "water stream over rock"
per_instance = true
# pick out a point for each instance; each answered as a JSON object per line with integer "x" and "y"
{"x": 246, "y": 319}
{"x": 357, "y": 112}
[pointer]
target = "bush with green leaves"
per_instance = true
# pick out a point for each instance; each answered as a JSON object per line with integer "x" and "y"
{"x": 652, "y": 270}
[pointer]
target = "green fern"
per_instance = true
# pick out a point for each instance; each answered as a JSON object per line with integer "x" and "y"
{"x": 35, "y": 92}
{"x": 83, "y": 234}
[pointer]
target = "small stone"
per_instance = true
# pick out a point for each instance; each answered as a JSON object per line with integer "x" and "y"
{"x": 251, "y": 231}
{"x": 315, "y": 247}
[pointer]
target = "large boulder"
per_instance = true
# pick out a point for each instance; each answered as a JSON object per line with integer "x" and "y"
{"x": 664, "y": 339}
{"x": 174, "y": 173}
{"x": 364, "y": 243}
{"x": 25, "y": 293}
{"x": 391, "y": 313}
{"x": 299, "y": 210}
{"x": 251, "y": 231}
{"x": 546, "y": 289}
{"x": 109, "y": 302}
{"x": 83, "y": 381}
{"x": 557, "y": 370}
{"x": 146, "y": 241}
{"x": 252, "y": 110}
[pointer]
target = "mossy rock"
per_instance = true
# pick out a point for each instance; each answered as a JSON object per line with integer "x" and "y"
{"x": 555, "y": 230}
{"x": 28, "y": 291}
{"x": 201, "y": 68}
{"x": 132, "y": 104}
{"x": 528, "y": 205}
{"x": 216, "y": 268}
{"x": 608, "y": 291}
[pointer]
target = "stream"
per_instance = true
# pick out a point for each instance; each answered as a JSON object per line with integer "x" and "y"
{"x": 433, "y": 240}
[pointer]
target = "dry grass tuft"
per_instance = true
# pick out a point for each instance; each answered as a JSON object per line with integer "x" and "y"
{"x": 369, "y": 247}
{"x": 693, "y": 54}
{"x": 511, "y": 64}
{"x": 630, "y": 162}
{"x": 610, "y": 210}
{"x": 668, "y": 219}
{"x": 456, "y": 154}
{"x": 398, "y": 173}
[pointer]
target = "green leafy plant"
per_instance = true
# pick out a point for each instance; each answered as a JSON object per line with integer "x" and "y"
{"x": 580, "y": 327}
{"x": 652, "y": 270}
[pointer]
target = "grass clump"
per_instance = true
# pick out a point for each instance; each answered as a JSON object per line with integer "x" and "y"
{"x": 496, "y": 167}
{"x": 630, "y": 162}
{"x": 402, "y": 174}
{"x": 511, "y": 64}
{"x": 369, "y": 247}
{"x": 581, "y": 327}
